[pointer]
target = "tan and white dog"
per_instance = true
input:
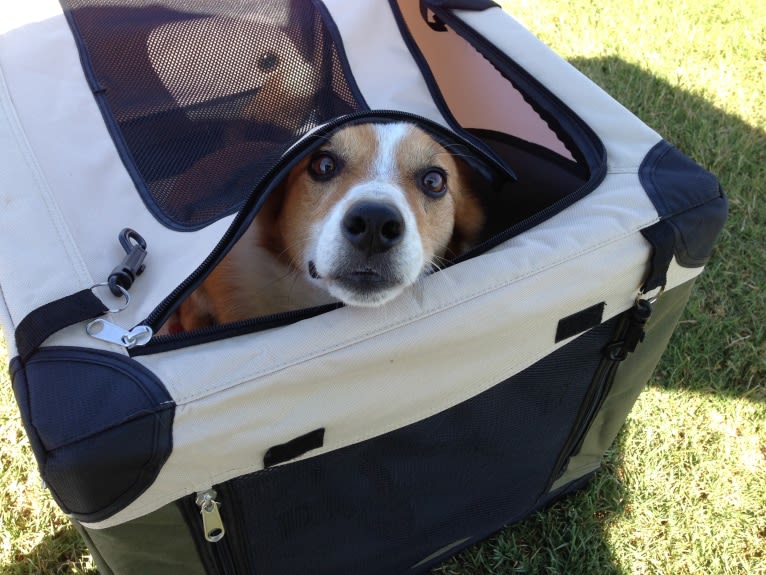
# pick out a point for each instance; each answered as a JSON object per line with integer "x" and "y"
{"x": 368, "y": 213}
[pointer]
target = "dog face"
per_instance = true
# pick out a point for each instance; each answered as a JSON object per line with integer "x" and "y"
{"x": 372, "y": 209}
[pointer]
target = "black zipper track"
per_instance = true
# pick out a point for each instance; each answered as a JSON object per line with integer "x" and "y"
{"x": 218, "y": 558}
{"x": 165, "y": 343}
{"x": 594, "y": 158}
{"x": 266, "y": 185}
{"x": 628, "y": 333}
{"x": 588, "y": 147}
{"x": 597, "y": 392}
{"x": 581, "y": 141}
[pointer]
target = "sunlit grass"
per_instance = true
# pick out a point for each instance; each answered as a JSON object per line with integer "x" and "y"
{"x": 35, "y": 537}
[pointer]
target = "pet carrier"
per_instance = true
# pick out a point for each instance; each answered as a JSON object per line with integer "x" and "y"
{"x": 140, "y": 138}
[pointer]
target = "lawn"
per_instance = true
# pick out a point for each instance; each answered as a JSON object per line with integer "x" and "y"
{"x": 683, "y": 490}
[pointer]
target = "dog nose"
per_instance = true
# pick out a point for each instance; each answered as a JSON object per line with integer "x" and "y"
{"x": 373, "y": 227}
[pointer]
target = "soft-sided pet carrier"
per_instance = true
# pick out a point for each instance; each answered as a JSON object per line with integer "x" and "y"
{"x": 139, "y": 138}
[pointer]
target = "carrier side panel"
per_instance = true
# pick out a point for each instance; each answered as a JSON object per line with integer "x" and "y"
{"x": 691, "y": 205}
{"x": 359, "y": 373}
{"x": 399, "y": 502}
{"x": 68, "y": 193}
{"x": 630, "y": 379}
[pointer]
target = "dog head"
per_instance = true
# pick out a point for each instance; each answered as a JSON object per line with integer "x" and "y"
{"x": 372, "y": 209}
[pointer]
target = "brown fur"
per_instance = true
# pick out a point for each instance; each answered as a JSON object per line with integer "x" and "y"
{"x": 266, "y": 271}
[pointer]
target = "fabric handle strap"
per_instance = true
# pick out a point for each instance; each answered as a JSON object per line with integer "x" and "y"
{"x": 46, "y": 320}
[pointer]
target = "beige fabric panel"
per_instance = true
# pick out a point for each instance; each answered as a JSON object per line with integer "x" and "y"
{"x": 478, "y": 95}
{"x": 65, "y": 193}
{"x": 623, "y": 134}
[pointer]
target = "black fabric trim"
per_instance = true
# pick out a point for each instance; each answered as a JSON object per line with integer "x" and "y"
{"x": 662, "y": 238}
{"x": 432, "y": 84}
{"x": 689, "y": 201}
{"x": 674, "y": 182}
{"x": 294, "y": 448}
{"x": 46, "y": 320}
{"x": 100, "y": 425}
{"x": 425, "y": 69}
{"x": 580, "y": 321}
{"x": 332, "y": 30}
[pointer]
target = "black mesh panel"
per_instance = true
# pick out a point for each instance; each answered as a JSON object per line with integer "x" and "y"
{"x": 381, "y": 506}
{"x": 203, "y": 96}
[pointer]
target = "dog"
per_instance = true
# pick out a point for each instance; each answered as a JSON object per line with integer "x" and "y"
{"x": 373, "y": 209}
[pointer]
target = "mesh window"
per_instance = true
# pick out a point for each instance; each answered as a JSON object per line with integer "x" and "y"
{"x": 380, "y": 506}
{"x": 203, "y": 96}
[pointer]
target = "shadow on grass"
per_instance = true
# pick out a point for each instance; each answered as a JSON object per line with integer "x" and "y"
{"x": 62, "y": 552}
{"x": 718, "y": 348}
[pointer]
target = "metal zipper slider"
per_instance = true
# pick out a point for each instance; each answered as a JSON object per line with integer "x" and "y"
{"x": 107, "y": 331}
{"x": 212, "y": 524}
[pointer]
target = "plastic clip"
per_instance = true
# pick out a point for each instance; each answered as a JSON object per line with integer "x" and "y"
{"x": 435, "y": 24}
{"x": 132, "y": 265}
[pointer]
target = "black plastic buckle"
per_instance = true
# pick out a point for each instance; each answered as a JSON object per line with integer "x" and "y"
{"x": 132, "y": 264}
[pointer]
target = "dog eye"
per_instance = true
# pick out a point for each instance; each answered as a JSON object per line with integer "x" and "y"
{"x": 434, "y": 182}
{"x": 268, "y": 62}
{"x": 323, "y": 165}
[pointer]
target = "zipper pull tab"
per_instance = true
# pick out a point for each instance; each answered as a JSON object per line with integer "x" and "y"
{"x": 107, "y": 331}
{"x": 633, "y": 331}
{"x": 212, "y": 523}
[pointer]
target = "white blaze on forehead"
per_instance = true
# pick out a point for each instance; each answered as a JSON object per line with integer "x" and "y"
{"x": 382, "y": 183}
{"x": 389, "y": 141}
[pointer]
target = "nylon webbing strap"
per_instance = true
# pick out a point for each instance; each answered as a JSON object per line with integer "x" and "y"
{"x": 662, "y": 238}
{"x": 46, "y": 320}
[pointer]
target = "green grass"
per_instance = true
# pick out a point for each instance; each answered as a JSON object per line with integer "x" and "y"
{"x": 683, "y": 490}
{"x": 35, "y": 537}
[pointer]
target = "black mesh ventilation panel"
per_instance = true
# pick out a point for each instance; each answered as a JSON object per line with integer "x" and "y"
{"x": 203, "y": 96}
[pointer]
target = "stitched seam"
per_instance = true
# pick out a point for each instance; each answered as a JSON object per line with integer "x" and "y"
{"x": 42, "y": 186}
{"x": 404, "y": 321}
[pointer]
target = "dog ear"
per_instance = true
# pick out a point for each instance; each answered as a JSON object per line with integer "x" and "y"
{"x": 269, "y": 232}
{"x": 469, "y": 207}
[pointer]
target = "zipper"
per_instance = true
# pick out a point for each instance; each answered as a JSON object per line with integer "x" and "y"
{"x": 314, "y": 138}
{"x": 266, "y": 185}
{"x": 210, "y": 532}
{"x": 170, "y": 342}
{"x": 212, "y": 524}
{"x": 630, "y": 332}
{"x": 588, "y": 147}
{"x": 113, "y": 333}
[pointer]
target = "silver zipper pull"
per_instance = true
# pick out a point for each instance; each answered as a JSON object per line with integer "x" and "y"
{"x": 107, "y": 331}
{"x": 211, "y": 518}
